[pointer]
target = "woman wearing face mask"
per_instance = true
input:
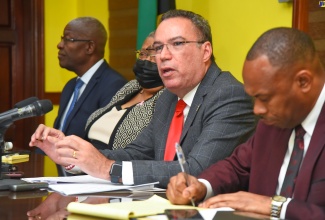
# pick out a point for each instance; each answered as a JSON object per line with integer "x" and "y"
{"x": 130, "y": 110}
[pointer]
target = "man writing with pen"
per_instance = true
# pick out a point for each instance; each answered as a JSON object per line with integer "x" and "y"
{"x": 279, "y": 172}
{"x": 203, "y": 108}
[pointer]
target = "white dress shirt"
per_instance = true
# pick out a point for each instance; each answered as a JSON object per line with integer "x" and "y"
{"x": 127, "y": 168}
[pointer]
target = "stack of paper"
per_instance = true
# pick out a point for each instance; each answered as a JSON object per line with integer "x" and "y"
{"x": 86, "y": 184}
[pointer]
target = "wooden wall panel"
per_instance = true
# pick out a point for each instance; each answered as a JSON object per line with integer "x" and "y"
{"x": 21, "y": 70}
{"x": 5, "y": 14}
{"x": 310, "y": 17}
{"x": 123, "y": 32}
{"x": 5, "y": 92}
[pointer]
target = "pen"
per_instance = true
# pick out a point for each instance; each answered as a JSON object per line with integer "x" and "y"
{"x": 182, "y": 161}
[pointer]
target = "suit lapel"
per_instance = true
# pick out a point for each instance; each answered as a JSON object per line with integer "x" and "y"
{"x": 276, "y": 156}
{"x": 316, "y": 145}
{"x": 89, "y": 87}
{"x": 64, "y": 100}
{"x": 204, "y": 87}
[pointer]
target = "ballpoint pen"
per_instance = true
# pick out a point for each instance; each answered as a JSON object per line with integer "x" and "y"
{"x": 182, "y": 161}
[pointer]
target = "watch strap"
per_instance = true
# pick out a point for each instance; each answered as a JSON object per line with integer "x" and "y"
{"x": 276, "y": 206}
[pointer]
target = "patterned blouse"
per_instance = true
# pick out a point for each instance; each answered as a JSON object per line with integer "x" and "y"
{"x": 131, "y": 123}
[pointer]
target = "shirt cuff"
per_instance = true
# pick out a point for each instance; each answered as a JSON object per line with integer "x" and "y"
{"x": 127, "y": 173}
{"x": 73, "y": 169}
{"x": 284, "y": 208}
{"x": 209, "y": 188}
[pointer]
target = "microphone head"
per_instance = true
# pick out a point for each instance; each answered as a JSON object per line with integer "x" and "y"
{"x": 43, "y": 106}
{"x": 25, "y": 102}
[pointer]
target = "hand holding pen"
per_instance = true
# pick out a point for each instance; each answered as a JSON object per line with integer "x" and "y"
{"x": 182, "y": 162}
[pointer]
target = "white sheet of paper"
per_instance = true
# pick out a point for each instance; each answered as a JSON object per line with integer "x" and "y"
{"x": 86, "y": 188}
{"x": 83, "y": 184}
{"x": 67, "y": 179}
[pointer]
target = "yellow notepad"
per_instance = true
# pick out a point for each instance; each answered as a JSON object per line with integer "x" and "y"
{"x": 125, "y": 210}
{"x": 15, "y": 158}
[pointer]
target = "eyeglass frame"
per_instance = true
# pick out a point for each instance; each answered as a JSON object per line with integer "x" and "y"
{"x": 146, "y": 54}
{"x": 172, "y": 44}
{"x": 72, "y": 40}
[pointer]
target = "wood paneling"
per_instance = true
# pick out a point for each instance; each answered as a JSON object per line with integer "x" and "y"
{"x": 21, "y": 69}
{"x": 123, "y": 32}
{"x": 310, "y": 17}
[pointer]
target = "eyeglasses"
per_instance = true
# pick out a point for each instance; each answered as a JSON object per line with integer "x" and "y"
{"x": 173, "y": 47}
{"x": 72, "y": 40}
{"x": 144, "y": 54}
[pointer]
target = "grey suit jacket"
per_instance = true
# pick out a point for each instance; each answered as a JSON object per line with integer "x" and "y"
{"x": 219, "y": 119}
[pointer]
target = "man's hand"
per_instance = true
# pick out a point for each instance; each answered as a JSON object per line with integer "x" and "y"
{"x": 179, "y": 193}
{"x": 41, "y": 134}
{"x": 241, "y": 201}
{"x": 74, "y": 150}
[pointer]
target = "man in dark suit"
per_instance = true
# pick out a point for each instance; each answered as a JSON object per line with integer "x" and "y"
{"x": 218, "y": 113}
{"x": 284, "y": 74}
{"x": 81, "y": 50}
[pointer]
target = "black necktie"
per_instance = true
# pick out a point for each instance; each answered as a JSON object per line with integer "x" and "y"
{"x": 294, "y": 164}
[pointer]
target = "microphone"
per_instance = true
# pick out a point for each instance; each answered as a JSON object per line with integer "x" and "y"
{"x": 37, "y": 108}
{"x": 25, "y": 102}
{"x": 21, "y": 104}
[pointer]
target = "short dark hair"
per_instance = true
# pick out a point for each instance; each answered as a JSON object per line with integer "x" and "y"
{"x": 284, "y": 47}
{"x": 94, "y": 29}
{"x": 202, "y": 25}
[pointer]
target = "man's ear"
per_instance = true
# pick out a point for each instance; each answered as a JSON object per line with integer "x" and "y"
{"x": 304, "y": 80}
{"x": 207, "y": 49}
{"x": 90, "y": 47}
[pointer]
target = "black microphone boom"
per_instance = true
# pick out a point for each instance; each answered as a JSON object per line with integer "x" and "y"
{"x": 38, "y": 108}
{"x": 20, "y": 104}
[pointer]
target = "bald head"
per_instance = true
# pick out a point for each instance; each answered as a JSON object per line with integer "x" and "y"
{"x": 91, "y": 29}
{"x": 284, "y": 47}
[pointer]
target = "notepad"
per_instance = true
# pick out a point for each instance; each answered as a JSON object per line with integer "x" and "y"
{"x": 152, "y": 206}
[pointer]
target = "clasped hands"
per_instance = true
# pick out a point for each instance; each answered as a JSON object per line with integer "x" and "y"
{"x": 71, "y": 150}
{"x": 179, "y": 193}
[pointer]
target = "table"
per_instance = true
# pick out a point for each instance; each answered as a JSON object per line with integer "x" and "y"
{"x": 43, "y": 205}
{"x": 15, "y": 205}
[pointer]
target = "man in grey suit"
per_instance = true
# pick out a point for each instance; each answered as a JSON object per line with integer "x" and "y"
{"x": 218, "y": 114}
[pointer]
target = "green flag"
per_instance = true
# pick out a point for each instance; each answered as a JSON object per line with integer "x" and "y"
{"x": 148, "y": 10}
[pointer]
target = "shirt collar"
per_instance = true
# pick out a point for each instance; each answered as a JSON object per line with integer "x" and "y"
{"x": 87, "y": 76}
{"x": 188, "y": 98}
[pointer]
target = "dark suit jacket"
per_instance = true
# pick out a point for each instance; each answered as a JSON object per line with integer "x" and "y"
{"x": 255, "y": 165}
{"x": 220, "y": 118}
{"x": 101, "y": 88}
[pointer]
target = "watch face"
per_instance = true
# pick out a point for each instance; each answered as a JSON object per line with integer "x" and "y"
{"x": 279, "y": 198}
{"x": 116, "y": 170}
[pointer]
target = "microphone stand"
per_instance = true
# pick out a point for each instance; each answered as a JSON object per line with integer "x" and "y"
{"x": 3, "y": 129}
{"x": 5, "y": 180}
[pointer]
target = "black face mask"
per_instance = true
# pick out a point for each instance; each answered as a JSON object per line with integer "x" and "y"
{"x": 146, "y": 73}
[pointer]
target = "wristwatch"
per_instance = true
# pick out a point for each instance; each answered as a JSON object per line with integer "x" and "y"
{"x": 116, "y": 172}
{"x": 276, "y": 206}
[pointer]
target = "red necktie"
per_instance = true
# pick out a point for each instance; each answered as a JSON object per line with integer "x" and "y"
{"x": 294, "y": 164}
{"x": 175, "y": 130}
